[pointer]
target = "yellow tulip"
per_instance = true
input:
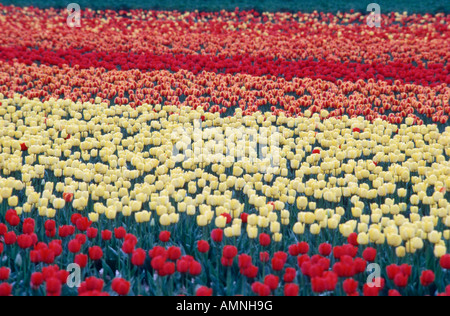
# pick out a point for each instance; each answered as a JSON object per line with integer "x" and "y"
{"x": 220, "y": 221}
{"x": 50, "y": 213}
{"x": 13, "y": 201}
{"x": 110, "y": 214}
{"x": 400, "y": 252}
{"x": 446, "y": 234}
{"x": 417, "y": 243}
{"x": 345, "y": 230}
{"x": 59, "y": 204}
{"x": 277, "y": 237}
{"x": 93, "y": 217}
{"x": 394, "y": 240}
{"x": 236, "y": 230}
{"x": 439, "y": 251}
{"x": 315, "y": 229}
{"x": 202, "y": 220}
{"x": 228, "y": 232}
{"x": 252, "y": 232}
{"x": 164, "y": 220}
{"x": 434, "y": 237}
{"x": 299, "y": 228}
{"x": 274, "y": 227}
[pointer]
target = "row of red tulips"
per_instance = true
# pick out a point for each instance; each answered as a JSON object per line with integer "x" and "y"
{"x": 223, "y": 93}
{"x": 330, "y": 270}
{"x": 283, "y": 35}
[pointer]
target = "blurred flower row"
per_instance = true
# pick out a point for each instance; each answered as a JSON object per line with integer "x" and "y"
{"x": 416, "y": 41}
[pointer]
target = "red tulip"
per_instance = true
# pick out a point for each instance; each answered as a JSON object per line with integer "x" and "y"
{"x": 371, "y": 290}
{"x": 81, "y": 238}
{"x": 352, "y": 239}
{"x": 291, "y": 289}
{"x": 204, "y": 291}
{"x": 264, "y": 256}
{"x": 5, "y": 289}
{"x": 120, "y": 286}
{"x": 81, "y": 260}
{"x": 83, "y": 224}
{"x": 37, "y": 279}
{"x": 128, "y": 247}
{"x": 277, "y": 264}
{"x": 195, "y": 268}
{"x": 350, "y": 286}
{"x": 263, "y": 290}
{"x": 182, "y": 266}
{"x": 202, "y": 246}
{"x": 264, "y": 240}
{"x": 68, "y": 197}
{"x": 167, "y": 269}
{"x": 174, "y": 253}
{"x": 95, "y": 253}
{"x": 427, "y": 278}
{"x": 13, "y": 220}
{"x": 120, "y": 232}
{"x": 303, "y": 248}
{"x": 3, "y": 229}
{"x": 28, "y": 226}
{"x": 4, "y": 273}
{"x": 271, "y": 281}
{"x": 250, "y": 272}
{"x": 53, "y": 286}
{"x": 10, "y": 238}
{"x": 445, "y": 262}
{"x": 369, "y": 254}
{"x": 106, "y": 235}
{"x": 289, "y": 275}
{"x": 229, "y": 252}
{"x": 244, "y": 261}
{"x": 74, "y": 246}
{"x": 394, "y": 293}
{"x": 164, "y": 236}
{"x": 138, "y": 257}
{"x": 158, "y": 251}
{"x": 50, "y": 225}
{"x": 217, "y": 235}
{"x": 91, "y": 232}
{"x": 325, "y": 249}
{"x": 400, "y": 280}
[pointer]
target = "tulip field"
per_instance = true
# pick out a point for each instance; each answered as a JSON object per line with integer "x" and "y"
{"x": 224, "y": 153}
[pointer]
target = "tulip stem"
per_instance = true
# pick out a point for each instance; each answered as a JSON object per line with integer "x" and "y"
{"x": 228, "y": 281}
